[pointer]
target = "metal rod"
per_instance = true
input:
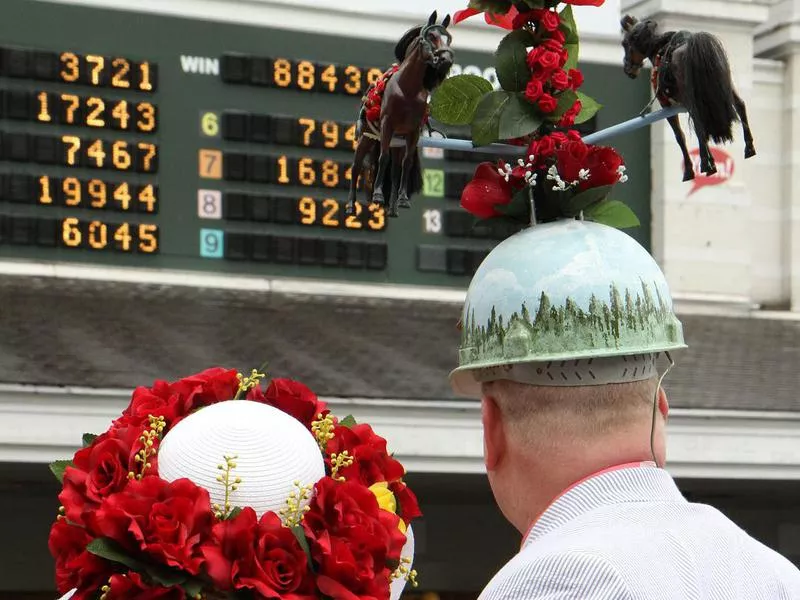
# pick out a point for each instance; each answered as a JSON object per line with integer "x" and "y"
{"x": 597, "y": 136}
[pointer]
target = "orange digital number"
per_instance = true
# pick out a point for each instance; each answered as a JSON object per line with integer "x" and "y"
{"x": 122, "y": 235}
{"x": 330, "y": 174}
{"x": 95, "y": 151}
{"x": 98, "y": 192}
{"x": 147, "y": 117}
{"x": 122, "y": 195}
{"x": 71, "y": 232}
{"x": 350, "y": 135}
{"x": 148, "y": 240}
{"x": 147, "y": 198}
{"x": 96, "y": 106}
{"x": 44, "y": 109}
{"x": 282, "y": 72}
{"x": 120, "y": 157}
{"x": 120, "y": 113}
{"x": 330, "y": 218}
{"x": 377, "y": 221}
{"x": 44, "y": 190}
{"x": 96, "y": 68}
{"x": 330, "y": 131}
{"x": 353, "y": 84}
{"x": 145, "y": 83}
{"x": 97, "y": 235}
{"x": 305, "y": 171}
{"x": 72, "y": 104}
{"x": 71, "y": 187}
{"x": 308, "y": 210}
{"x": 283, "y": 170}
{"x": 328, "y": 77}
{"x": 121, "y": 68}
{"x": 73, "y": 144}
{"x": 353, "y": 221}
{"x": 148, "y": 156}
{"x": 310, "y": 126}
{"x": 373, "y": 75}
{"x": 70, "y": 67}
{"x": 305, "y": 75}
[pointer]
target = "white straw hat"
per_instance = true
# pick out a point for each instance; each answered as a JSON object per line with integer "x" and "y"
{"x": 270, "y": 449}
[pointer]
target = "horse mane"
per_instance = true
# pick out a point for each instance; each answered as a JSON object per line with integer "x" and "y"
{"x": 402, "y": 46}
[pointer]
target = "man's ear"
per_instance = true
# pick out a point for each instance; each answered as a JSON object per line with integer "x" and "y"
{"x": 663, "y": 403}
{"x": 494, "y": 435}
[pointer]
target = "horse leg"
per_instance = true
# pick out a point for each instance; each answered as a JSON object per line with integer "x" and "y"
{"x": 741, "y": 110}
{"x": 355, "y": 172}
{"x": 396, "y": 174}
{"x": 688, "y": 170}
{"x": 707, "y": 164}
{"x": 408, "y": 161}
{"x": 383, "y": 162}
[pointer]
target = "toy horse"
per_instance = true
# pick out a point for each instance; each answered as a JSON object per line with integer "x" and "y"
{"x": 397, "y": 105}
{"x": 692, "y": 70}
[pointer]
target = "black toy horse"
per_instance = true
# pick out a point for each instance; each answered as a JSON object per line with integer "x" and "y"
{"x": 692, "y": 70}
{"x": 397, "y": 105}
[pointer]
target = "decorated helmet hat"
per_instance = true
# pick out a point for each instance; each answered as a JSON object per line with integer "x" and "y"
{"x": 215, "y": 486}
{"x": 565, "y": 303}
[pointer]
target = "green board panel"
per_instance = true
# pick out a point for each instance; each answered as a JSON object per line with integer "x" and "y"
{"x": 141, "y": 140}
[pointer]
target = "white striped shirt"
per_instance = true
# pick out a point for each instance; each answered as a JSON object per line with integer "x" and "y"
{"x": 630, "y": 534}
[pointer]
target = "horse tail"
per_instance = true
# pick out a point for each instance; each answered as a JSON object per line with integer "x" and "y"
{"x": 708, "y": 87}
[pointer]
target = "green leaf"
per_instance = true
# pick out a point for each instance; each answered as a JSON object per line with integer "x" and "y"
{"x": 58, "y": 467}
{"x": 519, "y": 207}
{"x": 573, "y": 50}
{"x": 234, "y": 513}
{"x": 486, "y": 124}
{"x": 88, "y": 438}
{"x": 589, "y": 107}
{"x": 613, "y": 213}
{"x": 582, "y": 200}
{"x": 455, "y": 100}
{"x": 518, "y": 118}
{"x": 298, "y": 532}
{"x": 568, "y": 25}
{"x": 348, "y": 421}
{"x": 511, "y": 67}
{"x": 108, "y": 549}
{"x": 193, "y": 587}
{"x": 565, "y": 101}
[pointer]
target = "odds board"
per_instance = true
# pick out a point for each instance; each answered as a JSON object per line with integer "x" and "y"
{"x": 138, "y": 140}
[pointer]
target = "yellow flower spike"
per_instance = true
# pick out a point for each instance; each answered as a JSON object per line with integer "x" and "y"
{"x": 322, "y": 429}
{"x": 340, "y": 461}
{"x": 230, "y": 484}
{"x": 292, "y": 514}
{"x": 249, "y": 382}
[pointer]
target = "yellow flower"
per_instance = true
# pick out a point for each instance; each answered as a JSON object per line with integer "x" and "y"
{"x": 386, "y": 500}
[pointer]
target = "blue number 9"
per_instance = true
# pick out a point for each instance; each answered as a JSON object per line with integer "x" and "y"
{"x": 211, "y": 243}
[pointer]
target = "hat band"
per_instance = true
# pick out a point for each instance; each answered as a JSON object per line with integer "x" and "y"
{"x": 575, "y": 372}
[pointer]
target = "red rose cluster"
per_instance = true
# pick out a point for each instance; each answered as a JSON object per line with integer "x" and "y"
{"x": 374, "y": 97}
{"x": 169, "y": 544}
{"x": 578, "y": 164}
{"x": 546, "y": 61}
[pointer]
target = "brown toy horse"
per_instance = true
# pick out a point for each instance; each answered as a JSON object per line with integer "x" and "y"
{"x": 692, "y": 70}
{"x": 424, "y": 58}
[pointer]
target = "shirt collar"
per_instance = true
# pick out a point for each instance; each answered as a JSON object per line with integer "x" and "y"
{"x": 629, "y": 482}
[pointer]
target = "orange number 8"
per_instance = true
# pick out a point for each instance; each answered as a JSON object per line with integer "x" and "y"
{"x": 282, "y": 72}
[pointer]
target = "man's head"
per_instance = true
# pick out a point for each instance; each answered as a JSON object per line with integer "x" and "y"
{"x": 540, "y": 439}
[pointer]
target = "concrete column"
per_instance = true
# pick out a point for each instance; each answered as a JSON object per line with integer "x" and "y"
{"x": 779, "y": 39}
{"x": 703, "y": 238}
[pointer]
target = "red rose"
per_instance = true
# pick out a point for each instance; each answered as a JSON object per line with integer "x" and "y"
{"x": 407, "y": 505}
{"x": 505, "y": 21}
{"x": 575, "y": 78}
{"x": 542, "y": 148}
{"x": 574, "y": 134}
{"x": 568, "y": 118}
{"x": 374, "y": 113}
{"x": 559, "y": 138}
{"x": 163, "y": 520}
{"x": 584, "y": 2}
{"x": 156, "y": 401}
{"x": 485, "y": 191}
{"x": 257, "y": 555}
{"x": 547, "y": 103}
{"x": 603, "y": 163}
{"x": 549, "y": 20}
{"x": 203, "y": 389}
{"x": 371, "y": 460}
{"x": 559, "y": 80}
{"x": 533, "y": 56}
{"x": 533, "y": 90}
{"x": 352, "y": 540}
{"x": 76, "y": 567}
{"x": 293, "y": 398}
{"x": 558, "y": 37}
{"x": 132, "y": 587}
{"x": 549, "y": 59}
{"x": 101, "y": 469}
{"x": 571, "y": 157}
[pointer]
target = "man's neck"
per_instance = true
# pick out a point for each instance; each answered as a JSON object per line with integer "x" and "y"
{"x": 562, "y": 472}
